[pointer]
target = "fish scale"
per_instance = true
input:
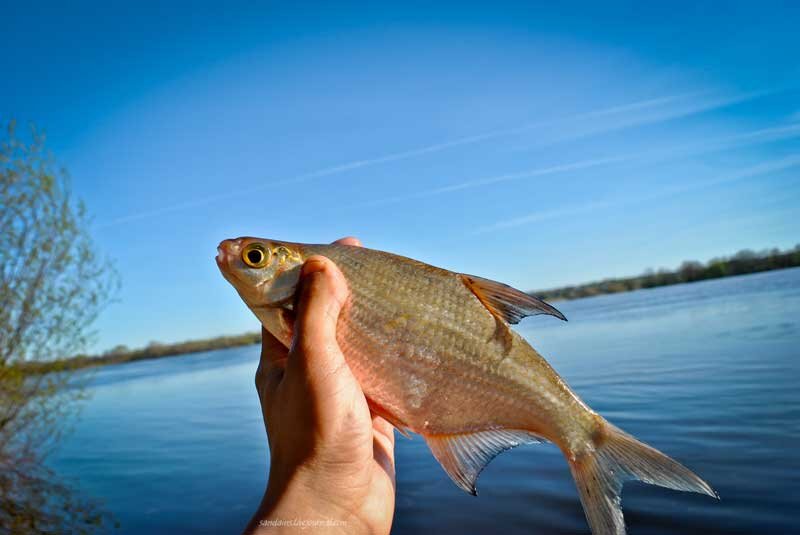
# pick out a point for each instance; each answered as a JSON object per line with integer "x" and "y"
{"x": 434, "y": 354}
{"x": 453, "y": 300}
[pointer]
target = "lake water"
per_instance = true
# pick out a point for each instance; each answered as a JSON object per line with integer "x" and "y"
{"x": 709, "y": 373}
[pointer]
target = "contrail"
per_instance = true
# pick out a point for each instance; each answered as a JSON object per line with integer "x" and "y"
{"x": 613, "y": 110}
{"x": 421, "y": 151}
{"x": 539, "y": 171}
{"x": 753, "y": 137}
{"x": 760, "y": 169}
{"x": 693, "y": 108}
{"x": 747, "y": 138}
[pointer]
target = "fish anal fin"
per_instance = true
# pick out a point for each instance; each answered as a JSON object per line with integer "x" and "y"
{"x": 463, "y": 456}
{"x": 506, "y": 302}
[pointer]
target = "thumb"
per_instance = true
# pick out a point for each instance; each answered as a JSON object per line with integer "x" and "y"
{"x": 323, "y": 293}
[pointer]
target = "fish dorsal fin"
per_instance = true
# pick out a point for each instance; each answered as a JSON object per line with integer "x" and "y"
{"x": 463, "y": 456}
{"x": 506, "y": 302}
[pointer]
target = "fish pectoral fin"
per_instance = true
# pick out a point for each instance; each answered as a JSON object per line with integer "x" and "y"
{"x": 506, "y": 302}
{"x": 463, "y": 456}
{"x": 378, "y": 410}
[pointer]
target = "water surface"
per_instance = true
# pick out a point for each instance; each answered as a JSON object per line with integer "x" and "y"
{"x": 706, "y": 372}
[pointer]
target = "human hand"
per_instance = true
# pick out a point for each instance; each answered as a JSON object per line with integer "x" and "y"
{"x": 331, "y": 460}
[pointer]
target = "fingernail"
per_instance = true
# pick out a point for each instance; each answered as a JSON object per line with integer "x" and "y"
{"x": 312, "y": 265}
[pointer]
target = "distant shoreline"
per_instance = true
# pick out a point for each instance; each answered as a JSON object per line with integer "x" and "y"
{"x": 742, "y": 263}
{"x": 154, "y": 350}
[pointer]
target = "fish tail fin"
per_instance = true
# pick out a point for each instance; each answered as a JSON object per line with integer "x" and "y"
{"x": 617, "y": 457}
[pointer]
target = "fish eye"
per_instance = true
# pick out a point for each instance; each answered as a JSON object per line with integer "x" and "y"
{"x": 255, "y": 255}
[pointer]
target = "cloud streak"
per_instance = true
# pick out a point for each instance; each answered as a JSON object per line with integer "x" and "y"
{"x": 756, "y": 170}
{"x": 659, "y": 116}
{"x": 687, "y": 100}
{"x": 763, "y": 135}
{"x": 531, "y": 173}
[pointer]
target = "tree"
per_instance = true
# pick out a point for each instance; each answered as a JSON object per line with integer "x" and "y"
{"x": 690, "y": 270}
{"x": 52, "y": 286}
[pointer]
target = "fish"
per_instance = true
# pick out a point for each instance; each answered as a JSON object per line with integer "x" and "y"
{"x": 435, "y": 355}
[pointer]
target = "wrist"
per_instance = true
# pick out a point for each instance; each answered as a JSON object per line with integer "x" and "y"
{"x": 300, "y": 501}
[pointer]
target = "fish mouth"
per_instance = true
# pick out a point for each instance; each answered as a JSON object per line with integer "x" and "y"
{"x": 222, "y": 257}
{"x": 227, "y": 250}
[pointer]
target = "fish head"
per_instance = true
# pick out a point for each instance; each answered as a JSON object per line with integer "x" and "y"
{"x": 265, "y": 273}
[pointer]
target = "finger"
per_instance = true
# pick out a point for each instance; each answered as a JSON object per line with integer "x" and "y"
{"x": 383, "y": 445}
{"x": 268, "y": 377}
{"x": 271, "y": 349}
{"x": 383, "y": 428}
{"x": 323, "y": 293}
{"x": 349, "y": 240}
{"x": 272, "y": 363}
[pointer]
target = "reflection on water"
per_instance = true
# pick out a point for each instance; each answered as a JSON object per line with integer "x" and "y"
{"x": 706, "y": 372}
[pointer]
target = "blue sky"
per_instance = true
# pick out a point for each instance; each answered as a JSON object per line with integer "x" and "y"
{"x": 535, "y": 145}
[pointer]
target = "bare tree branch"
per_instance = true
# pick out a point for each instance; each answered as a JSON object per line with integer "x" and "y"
{"x": 52, "y": 286}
